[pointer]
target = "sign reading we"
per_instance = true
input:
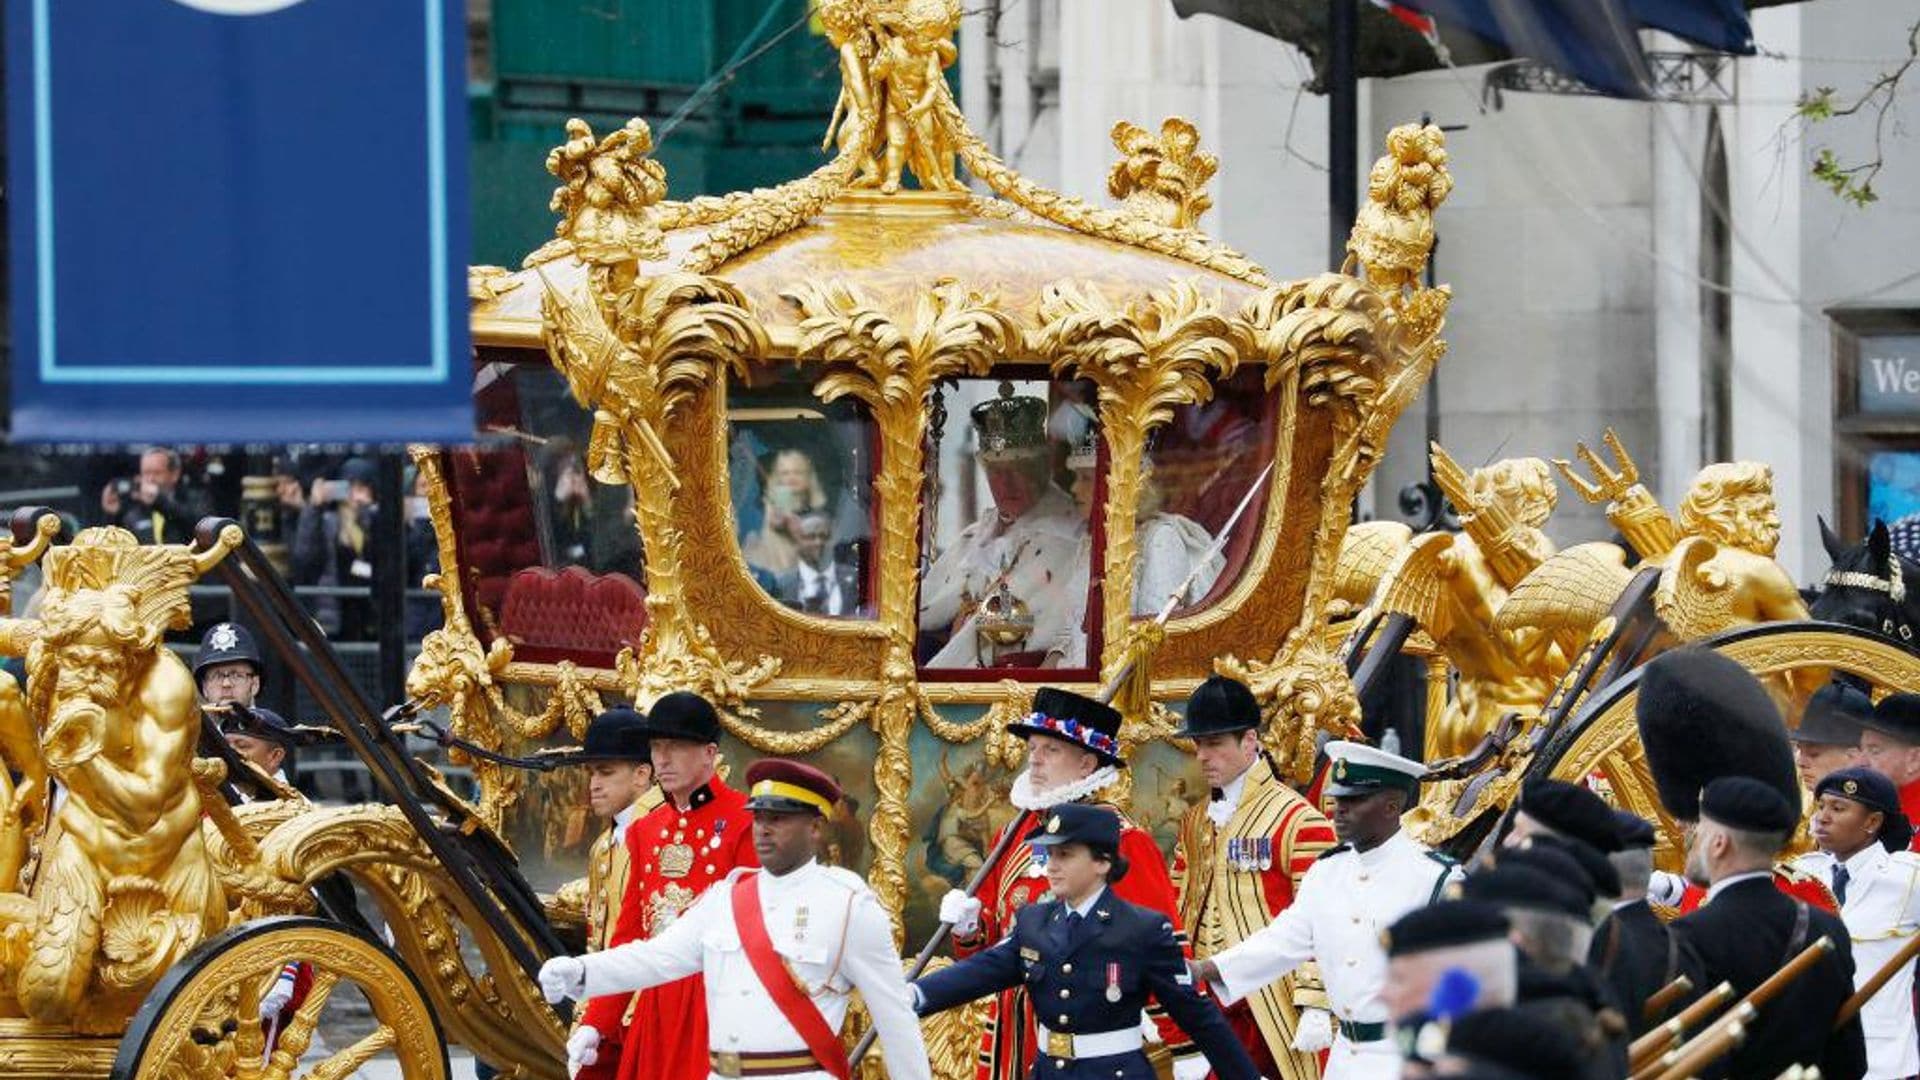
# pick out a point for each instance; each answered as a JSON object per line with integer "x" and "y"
{"x": 238, "y": 220}
{"x": 1889, "y": 373}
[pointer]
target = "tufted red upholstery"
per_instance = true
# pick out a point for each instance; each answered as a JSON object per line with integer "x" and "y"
{"x": 572, "y": 614}
{"x": 493, "y": 515}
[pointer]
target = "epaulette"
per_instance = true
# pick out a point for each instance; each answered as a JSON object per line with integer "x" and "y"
{"x": 846, "y": 879}
{"x": 1334, "y": 850}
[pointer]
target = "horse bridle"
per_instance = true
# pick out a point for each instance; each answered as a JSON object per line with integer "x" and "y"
{"x": 1894, "y": 584}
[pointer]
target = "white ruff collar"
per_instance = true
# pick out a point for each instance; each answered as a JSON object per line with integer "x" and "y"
{"x": 1024, "y": 797}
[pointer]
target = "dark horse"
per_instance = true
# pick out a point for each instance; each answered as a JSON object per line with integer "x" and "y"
{"x": 1871, "y": 586}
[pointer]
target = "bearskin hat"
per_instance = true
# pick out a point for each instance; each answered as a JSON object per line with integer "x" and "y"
{"x": 1703, "y": 716}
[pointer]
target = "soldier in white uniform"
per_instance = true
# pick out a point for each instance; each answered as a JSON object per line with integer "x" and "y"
{"x": 1025, "y": 543}
{"x": 1355, "y": 891}
{"x": 819, "y": 931}
{"x": 1863, "y": 857}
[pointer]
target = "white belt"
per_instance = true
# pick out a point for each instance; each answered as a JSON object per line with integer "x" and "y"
{"x": 1059, "y": 1044}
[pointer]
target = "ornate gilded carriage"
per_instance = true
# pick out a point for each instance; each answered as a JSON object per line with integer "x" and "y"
{"x": 864, "y": 464}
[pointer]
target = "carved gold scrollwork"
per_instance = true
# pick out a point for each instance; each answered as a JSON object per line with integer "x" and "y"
{"x": 1162, "y": 178}
{"x": 890, "y": 362}
{"x": 1144, "y": 358}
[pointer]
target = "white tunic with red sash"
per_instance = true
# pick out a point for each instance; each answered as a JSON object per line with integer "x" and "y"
{"x": 832, "y": 937}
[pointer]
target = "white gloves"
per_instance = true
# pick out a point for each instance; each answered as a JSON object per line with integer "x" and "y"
{"x": 1666, "y": 888}
{"x": 962, "y": 911}
{"x": 1315, "y": 1032}
{"x": 583, "y": 1046}
{"x": 563, "y": 977}
{"x": 1191, "y": 1067}
{"x": 279, "y": 995}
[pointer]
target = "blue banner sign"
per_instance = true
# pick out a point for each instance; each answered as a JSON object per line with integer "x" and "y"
{"x": 238, "y": 220}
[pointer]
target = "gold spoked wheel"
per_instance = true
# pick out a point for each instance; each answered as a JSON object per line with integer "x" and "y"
{"x": 359, "y": 1003}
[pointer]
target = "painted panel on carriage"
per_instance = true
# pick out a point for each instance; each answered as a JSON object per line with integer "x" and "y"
{"x": 238, "y": 220}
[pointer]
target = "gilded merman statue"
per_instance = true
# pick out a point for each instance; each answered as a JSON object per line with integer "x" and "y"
{"x": 125, "y": 885}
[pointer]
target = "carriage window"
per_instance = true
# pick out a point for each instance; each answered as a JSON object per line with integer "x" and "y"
{"x": 580, "y": 521}
{"x": 801, "y": 477}
{"x": 1200, "y": 467}
{"x": 1007, "y": 544}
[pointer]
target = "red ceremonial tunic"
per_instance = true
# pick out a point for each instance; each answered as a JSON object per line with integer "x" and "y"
{"x": 1795, "y": 883}
{"x": 1910, "y": 805}
{"x": 674, "y": 856}
{"x": 1007, "y": 1046}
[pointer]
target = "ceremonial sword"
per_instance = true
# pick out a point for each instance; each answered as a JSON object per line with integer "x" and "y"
{"x": 1106, "y": 695}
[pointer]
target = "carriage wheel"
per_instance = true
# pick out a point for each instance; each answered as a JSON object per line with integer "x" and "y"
{"x": 200, "y": 1021}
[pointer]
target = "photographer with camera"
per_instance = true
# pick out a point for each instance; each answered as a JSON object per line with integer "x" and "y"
{"x": 156, "y": 506}
{"x": 332, "y": 545}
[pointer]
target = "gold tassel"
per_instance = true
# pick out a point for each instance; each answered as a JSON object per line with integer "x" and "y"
{"x": 606, "y": 450}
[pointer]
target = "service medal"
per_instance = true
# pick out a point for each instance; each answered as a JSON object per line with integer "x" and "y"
{"x": 1113, "y": 983}
{"x": 1266, "y": 853}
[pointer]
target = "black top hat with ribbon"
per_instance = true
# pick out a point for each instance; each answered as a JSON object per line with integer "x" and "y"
{"x": 683, "y": 715}
{"x": 618, "y": 734}
{"x": 1073, "y": 718}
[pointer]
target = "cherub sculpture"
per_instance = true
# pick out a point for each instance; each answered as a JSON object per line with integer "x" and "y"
{"x": 915, "y": 48}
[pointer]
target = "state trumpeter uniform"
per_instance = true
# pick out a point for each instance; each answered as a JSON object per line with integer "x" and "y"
{"x": 1018, "y": 879}
{"x": 616, "y": 735}
{"x": 1345, "y": 901}
{"x": 1240, "y": 862}
{"x": 675, "y": 854}
{"x": 1879, "y": 890}
{"x": 1090, "y": 968}
{"x": 775, "y": 958}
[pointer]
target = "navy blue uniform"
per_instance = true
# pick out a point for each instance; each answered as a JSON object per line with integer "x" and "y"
{"x": 1069, "y": 986}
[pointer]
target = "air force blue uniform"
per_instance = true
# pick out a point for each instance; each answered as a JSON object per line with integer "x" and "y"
{"x": 1086, "y": 1030}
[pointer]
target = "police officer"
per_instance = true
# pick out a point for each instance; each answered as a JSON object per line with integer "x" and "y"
{"x": 782, "y": 949}
{"x": 1863, "y": 854}
{"x": 226, "y": 667}
{"x": 1355, "y": 891}
{"x": 1091, "y": 961}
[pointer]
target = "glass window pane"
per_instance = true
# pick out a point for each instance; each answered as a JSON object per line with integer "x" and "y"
{"x": 1201, "y": 465}
{"x": 801, "y": 476}
{"x": 1893, "y": 484}
{"x": 1007, "y": 544}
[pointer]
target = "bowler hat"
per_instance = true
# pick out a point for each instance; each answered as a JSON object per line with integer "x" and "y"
{"x": 1220, "y": 706}
{"x": 1076, "y": 719}
{"x": 1897, "y": 716}
{"x": 618, "y": 734}
{"x": 1702, "y": 716}
{"x": 790, "y": 787}
{"x": 1834, "y": 716}
{"x": 683, "y": 715}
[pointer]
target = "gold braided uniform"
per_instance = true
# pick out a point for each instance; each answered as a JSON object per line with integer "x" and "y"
{"x": 1233, "y": 881}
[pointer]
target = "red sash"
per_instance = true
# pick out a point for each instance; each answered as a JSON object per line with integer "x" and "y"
{"x": 797, "y": 1007}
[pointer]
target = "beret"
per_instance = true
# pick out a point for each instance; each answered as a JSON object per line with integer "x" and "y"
{"x": 1875, "y": 792}
{"x": 1604, "y": 876}
{"x": 1572, "y": 810}
{"x": 1515, "y": 1043}
{"x": 1517, "y": 883}
{"x": 1741, "y": 802}
{"x": 1635, "y": 831}
{"x": 1446, "y": 924}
